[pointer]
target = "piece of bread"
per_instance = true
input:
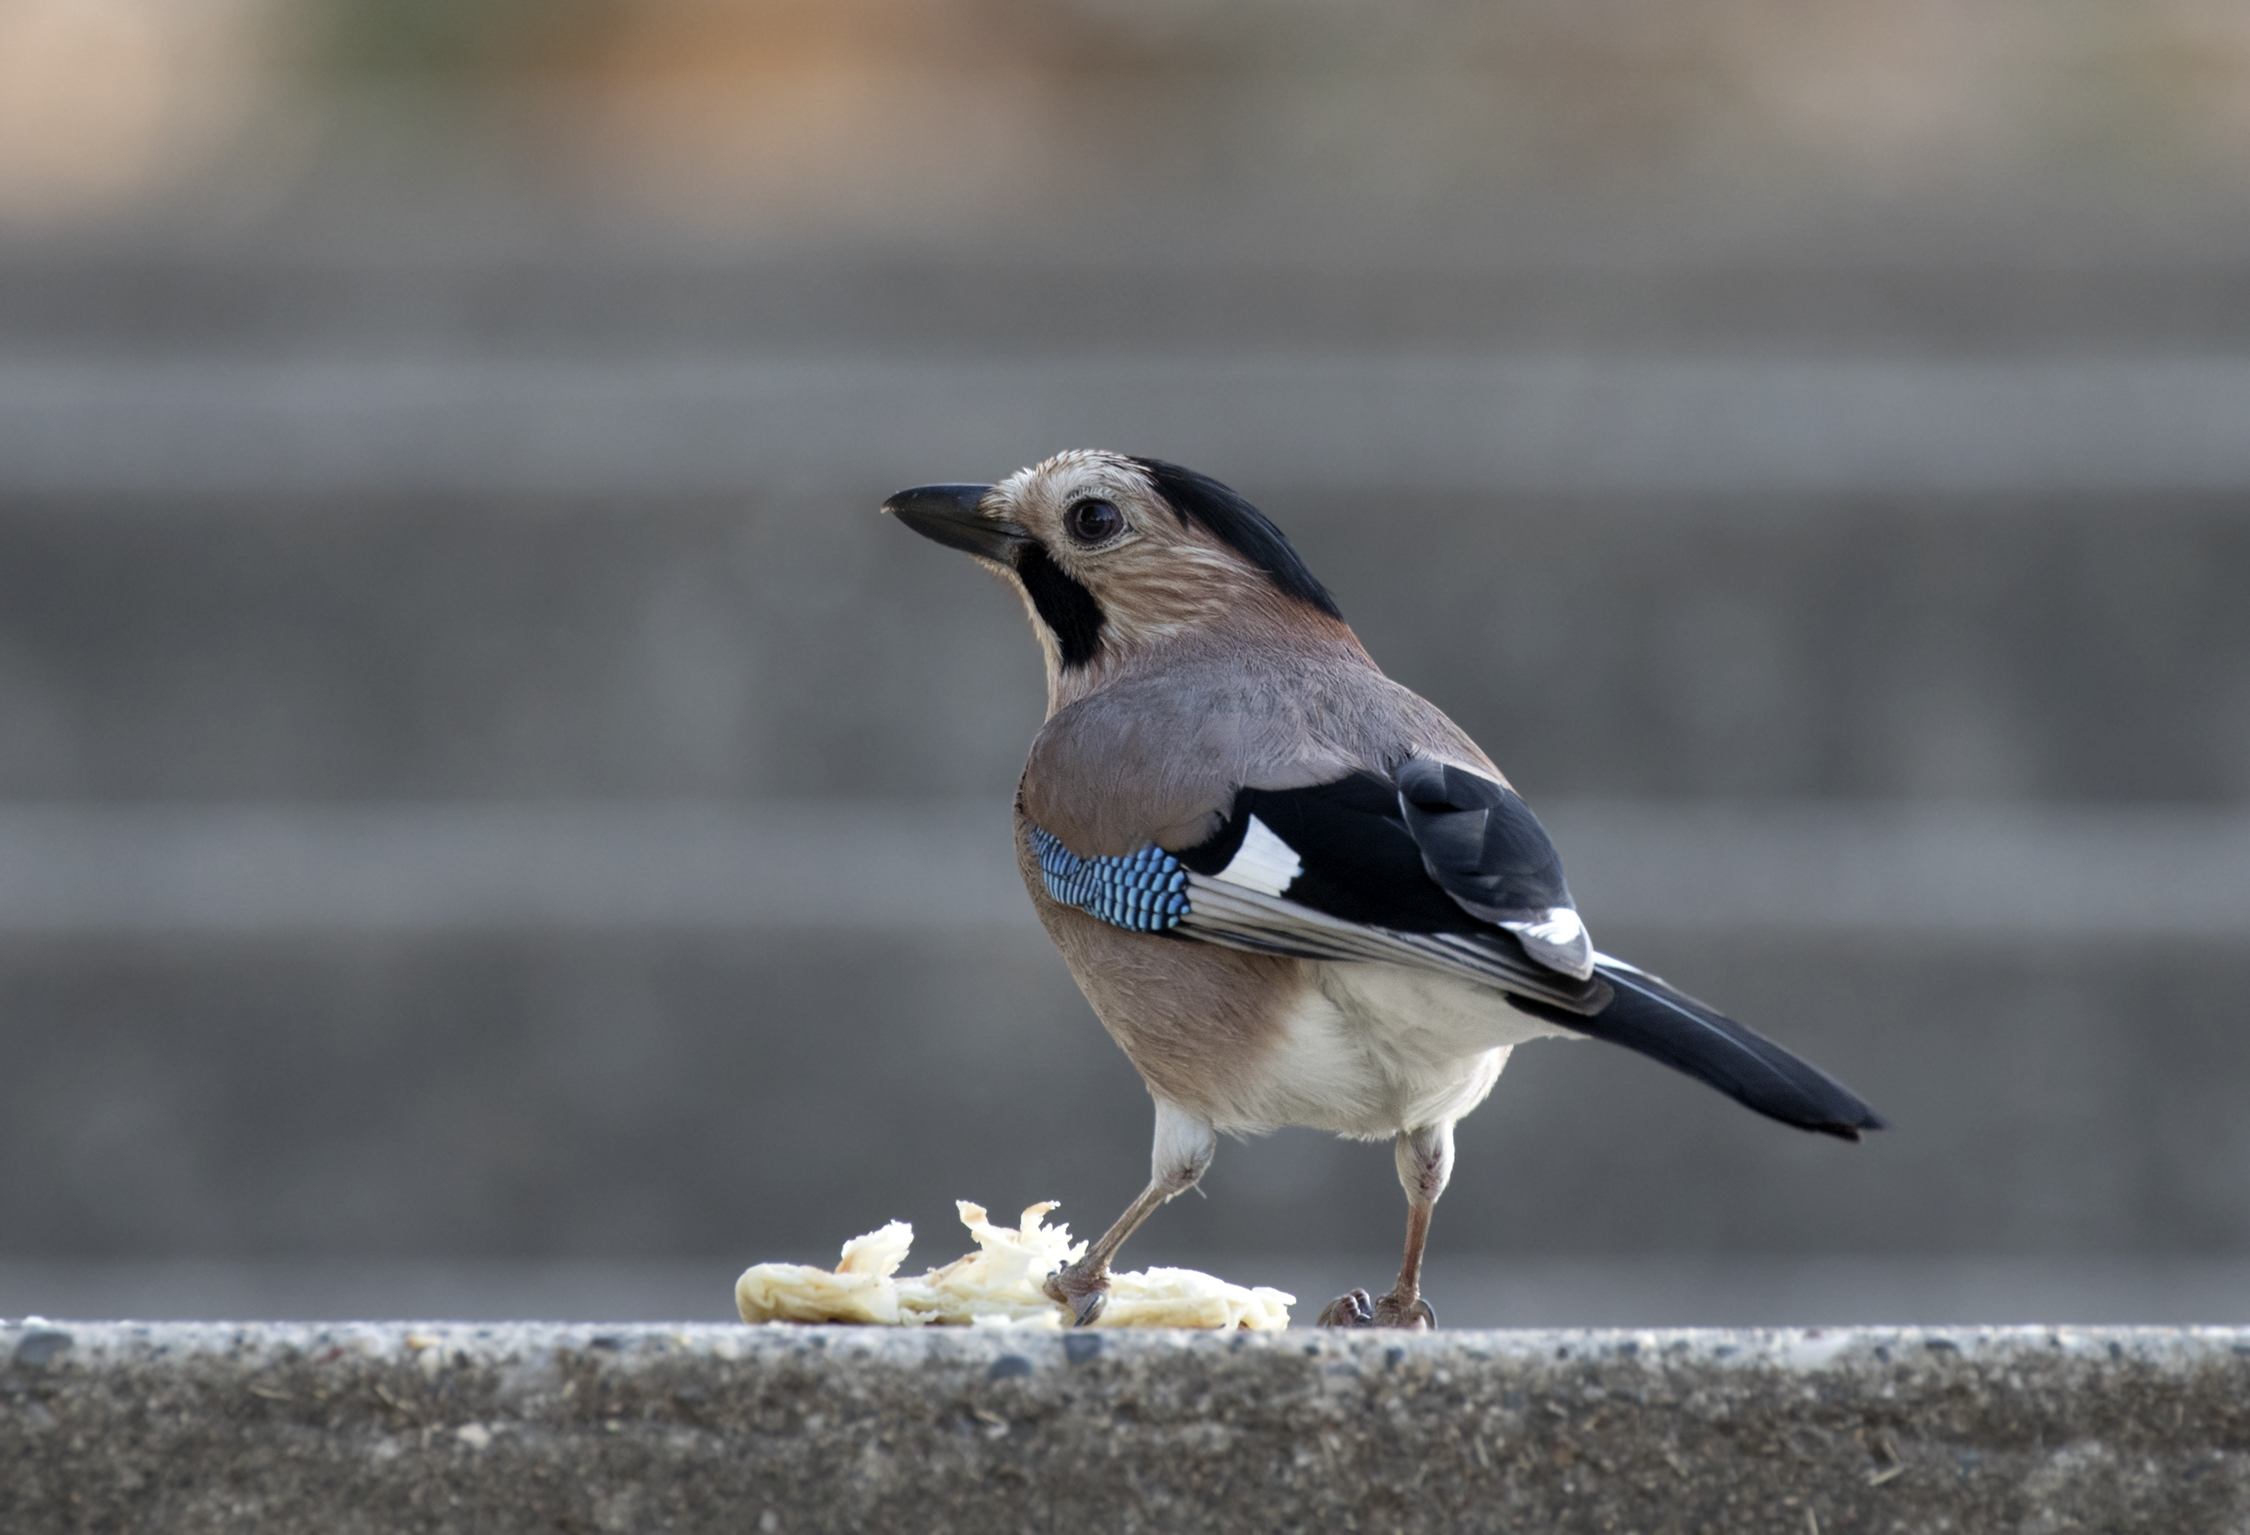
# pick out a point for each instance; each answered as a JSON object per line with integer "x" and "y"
{"x": 997, "y": 1285}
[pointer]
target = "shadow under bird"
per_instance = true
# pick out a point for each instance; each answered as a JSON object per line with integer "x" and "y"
{"x": 1294, "y": 892}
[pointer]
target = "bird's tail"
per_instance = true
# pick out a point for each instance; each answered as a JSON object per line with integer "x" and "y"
{"x": 1670, "y": 1026}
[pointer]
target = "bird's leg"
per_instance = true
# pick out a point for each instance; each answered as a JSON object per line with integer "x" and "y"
{"x": 1084, "y": 1285}
{"x": 1404, "y": 1306}
{"x": 1425, "y": 1164}
{"x": 1184, "y": 1148}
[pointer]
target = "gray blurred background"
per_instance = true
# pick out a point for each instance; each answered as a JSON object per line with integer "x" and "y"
{"x": 493, "y": 823}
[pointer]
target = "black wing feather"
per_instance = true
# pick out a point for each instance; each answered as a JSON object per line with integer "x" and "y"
{"x": 1480, "y": 841}
{"x": 1362, "y": 891}
{"x": 1226, "y": 913}
{"x": 1361, "y": 863}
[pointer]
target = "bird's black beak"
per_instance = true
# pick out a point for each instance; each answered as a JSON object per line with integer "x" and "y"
{"x": 948, "y": 514}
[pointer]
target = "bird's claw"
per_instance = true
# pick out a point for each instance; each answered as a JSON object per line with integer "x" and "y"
{"x": 1417, "y": 1313}
{"x": 1087, "y": 1295}
{"x": 1352, "y": 1310}
{"x": 1357, "y": 1310}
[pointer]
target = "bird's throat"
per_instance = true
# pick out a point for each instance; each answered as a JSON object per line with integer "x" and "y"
{"x": 1066, "y": 609}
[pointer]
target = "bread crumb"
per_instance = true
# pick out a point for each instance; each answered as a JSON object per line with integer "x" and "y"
{"x": 995, "y": 1286}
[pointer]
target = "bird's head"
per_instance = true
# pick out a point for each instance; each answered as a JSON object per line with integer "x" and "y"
{"x": 1115, "y": 556}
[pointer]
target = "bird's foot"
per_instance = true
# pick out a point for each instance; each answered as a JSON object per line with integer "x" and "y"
{"x": 1084, "y": 1291}
{"x": 1392, "y": 1310}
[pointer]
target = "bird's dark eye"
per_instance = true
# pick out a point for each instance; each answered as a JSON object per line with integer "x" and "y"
{"x": 1094, "y": 522}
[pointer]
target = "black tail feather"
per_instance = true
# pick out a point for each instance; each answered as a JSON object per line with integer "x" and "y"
{"x": 1670, "y": 1026}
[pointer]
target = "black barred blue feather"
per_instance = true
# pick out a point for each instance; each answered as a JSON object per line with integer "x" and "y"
{"x": 1144, "y": 892}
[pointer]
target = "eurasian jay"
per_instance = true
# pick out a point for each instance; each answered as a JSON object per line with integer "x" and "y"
{"x": 1294, "y": 892}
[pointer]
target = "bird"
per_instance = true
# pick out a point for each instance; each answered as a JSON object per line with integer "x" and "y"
{"x": 1294, "y": 892}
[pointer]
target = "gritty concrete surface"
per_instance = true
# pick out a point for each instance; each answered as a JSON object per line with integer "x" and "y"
{"x": 515, "y": 1427}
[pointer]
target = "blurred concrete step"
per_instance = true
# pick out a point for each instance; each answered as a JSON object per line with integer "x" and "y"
{"x": 398, "y": 647}
{"x": 1962, "y": 872}
{"x": 1891, "y": 285}
{"x": 1715, "y": 423}
{"x": 615, "y": 1095}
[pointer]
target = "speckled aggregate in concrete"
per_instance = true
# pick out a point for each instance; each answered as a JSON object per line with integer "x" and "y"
{"x": 361, "y": 1427}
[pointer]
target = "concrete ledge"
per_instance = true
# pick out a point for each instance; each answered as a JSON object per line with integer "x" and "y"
{"x": 363, "y": 1427}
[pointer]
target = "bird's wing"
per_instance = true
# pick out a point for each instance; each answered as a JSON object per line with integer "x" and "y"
{"x": 1484, "y": 848}
{"x": 1443, "y": 850}
{"x": 1445, "y": 870}
{"x": 1329, "y": 871}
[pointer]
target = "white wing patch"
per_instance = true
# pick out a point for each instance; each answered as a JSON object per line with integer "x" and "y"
{"x": 1559, "y": 940}
{"x": 1560, "y": 927}
{"x": 1263, "y": 863}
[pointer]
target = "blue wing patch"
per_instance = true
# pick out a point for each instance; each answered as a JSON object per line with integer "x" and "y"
{"x": 1143, "y": 892}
